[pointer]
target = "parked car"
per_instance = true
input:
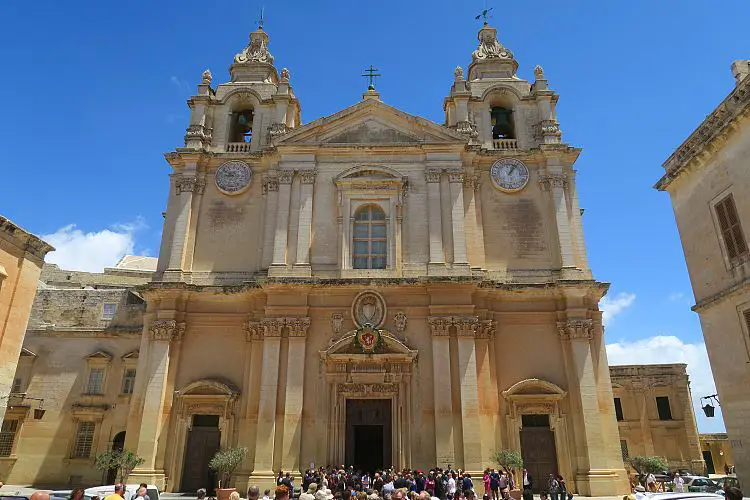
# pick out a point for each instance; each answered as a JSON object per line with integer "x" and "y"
{"x": 677, "y": 496}
{"x": 701, "y": 484}
{"x": 130, "y": 491}
{"x": 727, "y": 482}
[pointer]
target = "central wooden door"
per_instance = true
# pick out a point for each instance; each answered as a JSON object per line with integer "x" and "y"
{"x": 538, "y": 450}
{"x": 368, "y": 434}
{"x": 203, "y": 442}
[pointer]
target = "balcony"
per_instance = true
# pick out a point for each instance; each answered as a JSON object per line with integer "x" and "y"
{"x": 504, "y": 144}
{"x": 238, "y": 147}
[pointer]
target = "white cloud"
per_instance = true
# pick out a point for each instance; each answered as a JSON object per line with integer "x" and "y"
{"x": 670, "y": 349}
{"x": 93, "y": 251}
{"x": 181, "y": 85}
{"x": 676, "y": 296}
{"x": 611, "y": 307}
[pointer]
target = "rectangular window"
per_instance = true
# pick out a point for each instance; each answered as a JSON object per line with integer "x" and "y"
{"x": 128, "y": 381}
{"x": 7, "y": 437}
{"x": 662, "y": 406}
{"x": 17, "y": 384}
{"x": 618, "y": 410}
{"x": 624, "y": 449}
{"x": 731, "y": 229}
{"x": 108, "y": 310}
{"x": 84, "y": 440}
{"x": 96, "y": 381}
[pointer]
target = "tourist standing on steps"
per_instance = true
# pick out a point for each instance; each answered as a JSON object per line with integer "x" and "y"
{"x": 527, "y": 480}
{"x": 486, "y": 482}
{"x": 679, "y": 483}
{"x": 553, "y": 487}
{"x": 451, "y": 485}
{"x": 495, "y": 484}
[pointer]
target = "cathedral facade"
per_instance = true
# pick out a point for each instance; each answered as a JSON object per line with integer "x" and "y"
{"x": 371, "y": 288}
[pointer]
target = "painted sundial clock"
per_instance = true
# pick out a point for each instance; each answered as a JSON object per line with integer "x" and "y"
{"x": 509, "y": 175}
{"x": 233, "y": 177}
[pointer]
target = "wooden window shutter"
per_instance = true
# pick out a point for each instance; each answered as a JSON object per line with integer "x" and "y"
{"x": 731, "y": 228}
{"x": 746, "y": 314}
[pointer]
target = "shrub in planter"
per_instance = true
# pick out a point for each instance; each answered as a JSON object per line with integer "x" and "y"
{"x": 225, "y": 462}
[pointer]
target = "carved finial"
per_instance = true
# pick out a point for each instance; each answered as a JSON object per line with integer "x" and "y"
{"x": 458, "y": 73}
{"x": 539, "y": 72}
{"x": 285, "y": 75}
{"x": 207, "y": 77}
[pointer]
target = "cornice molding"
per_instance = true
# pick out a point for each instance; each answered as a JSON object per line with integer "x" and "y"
{"x": 24, "y": 240}
{"x": 716, "y": 126}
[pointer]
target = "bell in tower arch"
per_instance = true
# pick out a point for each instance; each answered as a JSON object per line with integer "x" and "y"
{"x": 502, "y": 123}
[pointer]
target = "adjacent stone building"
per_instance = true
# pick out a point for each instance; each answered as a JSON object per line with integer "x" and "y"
{"x": 708, "y": 183}
{"x": 21, "y": 259}
{"x": 370, "y": 288}
{"x": 654, "y": 410}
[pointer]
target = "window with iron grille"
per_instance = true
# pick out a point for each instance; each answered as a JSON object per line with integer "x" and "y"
{"x": 108, "y": 310}
{"x": 96, "y": 381}
{"x": 731, "y": 229}
{"x": 7, "y": 437}
{"x": 369, "y": 238}
{"x": 128, "y": 381}
{"x": 84, "y": 440}
{"x": 624, "y": 449}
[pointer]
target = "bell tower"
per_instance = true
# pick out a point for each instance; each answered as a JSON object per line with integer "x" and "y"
{"x": 497, "y": 109}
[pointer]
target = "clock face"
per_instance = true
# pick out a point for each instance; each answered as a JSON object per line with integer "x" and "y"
{"x": 509, "y": 175}
{"x": 233, "y": 177}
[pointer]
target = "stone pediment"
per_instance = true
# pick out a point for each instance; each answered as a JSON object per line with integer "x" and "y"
{"x": 392, "y": 347}
{"x": 371, "y": 132}
{"x": 371, "y": 122}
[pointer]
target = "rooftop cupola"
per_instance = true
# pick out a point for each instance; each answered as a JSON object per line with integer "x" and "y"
{"x": 491, "y": 59}
{"x": 255, "y": 62}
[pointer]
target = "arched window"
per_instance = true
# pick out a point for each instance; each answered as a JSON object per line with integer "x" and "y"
{"x": 369, "y": 238}
{"x": 502, "y": 123}
{"x": 241, "y": 129}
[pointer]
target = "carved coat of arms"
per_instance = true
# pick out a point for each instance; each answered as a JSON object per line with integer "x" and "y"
{"x": 368, "y": 309}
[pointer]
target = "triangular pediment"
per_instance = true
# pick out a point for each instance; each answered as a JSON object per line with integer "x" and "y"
{"x": 371, "y": 122}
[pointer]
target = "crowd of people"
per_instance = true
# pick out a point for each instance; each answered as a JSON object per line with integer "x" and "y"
{"x": 345, "y": 483}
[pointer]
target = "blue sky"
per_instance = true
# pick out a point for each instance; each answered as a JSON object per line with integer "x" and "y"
{"x": 95, "y": 94}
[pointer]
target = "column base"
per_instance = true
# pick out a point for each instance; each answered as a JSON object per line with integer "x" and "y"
{"x": 264, "y": 480}
{"x": 155, "y": 477}
{"x": 603, "y": 482}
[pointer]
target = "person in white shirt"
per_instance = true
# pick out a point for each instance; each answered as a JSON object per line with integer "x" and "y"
{"x": 679, "y": 484}
{"x": 451, "y": 485}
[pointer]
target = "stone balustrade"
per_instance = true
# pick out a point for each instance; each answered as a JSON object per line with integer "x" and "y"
{"x": 238, "y": 147}
{"x": 504, "y": 144}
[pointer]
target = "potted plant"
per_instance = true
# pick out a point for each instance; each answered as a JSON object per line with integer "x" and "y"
{"x": 225, "y": 462}
{"x": 122, "y": 461}
{"x": 645, "y": 465}
{"x": 509, "y": 461}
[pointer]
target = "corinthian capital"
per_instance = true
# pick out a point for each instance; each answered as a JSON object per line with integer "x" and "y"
{"x": 455, "y": 176}
{"x": 253, "y": 331}
{"x": 166, "y": 330}
{"x": 576, "y": 329}
{"x": 272, "y": 327}
{"x": 307, "y": 176}
{"x": 432, "y": 175}
{"x": 553, "y": 180}
{"x": 285, "y": 176}
{"x": 298, "y": 326}
{"x": 466, "y": 326}
{"x": 440, "y": 325}
{"x": 189, "y": 184}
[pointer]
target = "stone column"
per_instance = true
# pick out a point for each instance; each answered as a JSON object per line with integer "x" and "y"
{"x": 161, "y": 333}
{"x": 269, "y": 386}
{"x": 271, "y": 190}
{"x": 295, "y": 381}
{"x": 304, "y": 232}
{"x": 593, "y": 476}
{"x": 282, "y": 219}
{"x": 456, "y": 182}
{"x": 441, "y": 379}
{"x": 186, "y": 185}
{"x": 556, "y": 183}
{"x": 435, "y": 227}
{"x": 466, "y": 328}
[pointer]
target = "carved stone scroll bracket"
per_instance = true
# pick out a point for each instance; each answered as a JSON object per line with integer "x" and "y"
{"x": 166, "y": 330}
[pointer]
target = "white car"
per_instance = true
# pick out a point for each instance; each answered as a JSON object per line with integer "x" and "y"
{"x": 677, "y": 496}
{"x": 130, "y": 491}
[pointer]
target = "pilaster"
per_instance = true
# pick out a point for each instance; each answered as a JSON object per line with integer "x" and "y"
{"x": 307, "y": 178}
{"x": 435, "y": 228}
{"x": 555, "y": 184}
{"x": 295, "y": 380}
{"x": 466, "y": 330}
{"x": 271, "y": 193}
{"x": 441, "y": 379}
{"x": 187, "y": 185}
{"x": 269, "y": 385}
{"x": 456, "y": 183}
{"x": 282, "y": 219}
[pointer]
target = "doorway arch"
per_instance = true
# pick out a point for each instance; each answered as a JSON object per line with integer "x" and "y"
{"x": 118, "y": 444}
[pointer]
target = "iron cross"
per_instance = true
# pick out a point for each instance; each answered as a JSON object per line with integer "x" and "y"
{"x": 371, "y": 74}
{"x": 485, "y": 14}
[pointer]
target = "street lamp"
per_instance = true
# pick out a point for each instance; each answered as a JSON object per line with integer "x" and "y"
{"x": 708, "y": 408}
{"x": 39, "y": 411}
